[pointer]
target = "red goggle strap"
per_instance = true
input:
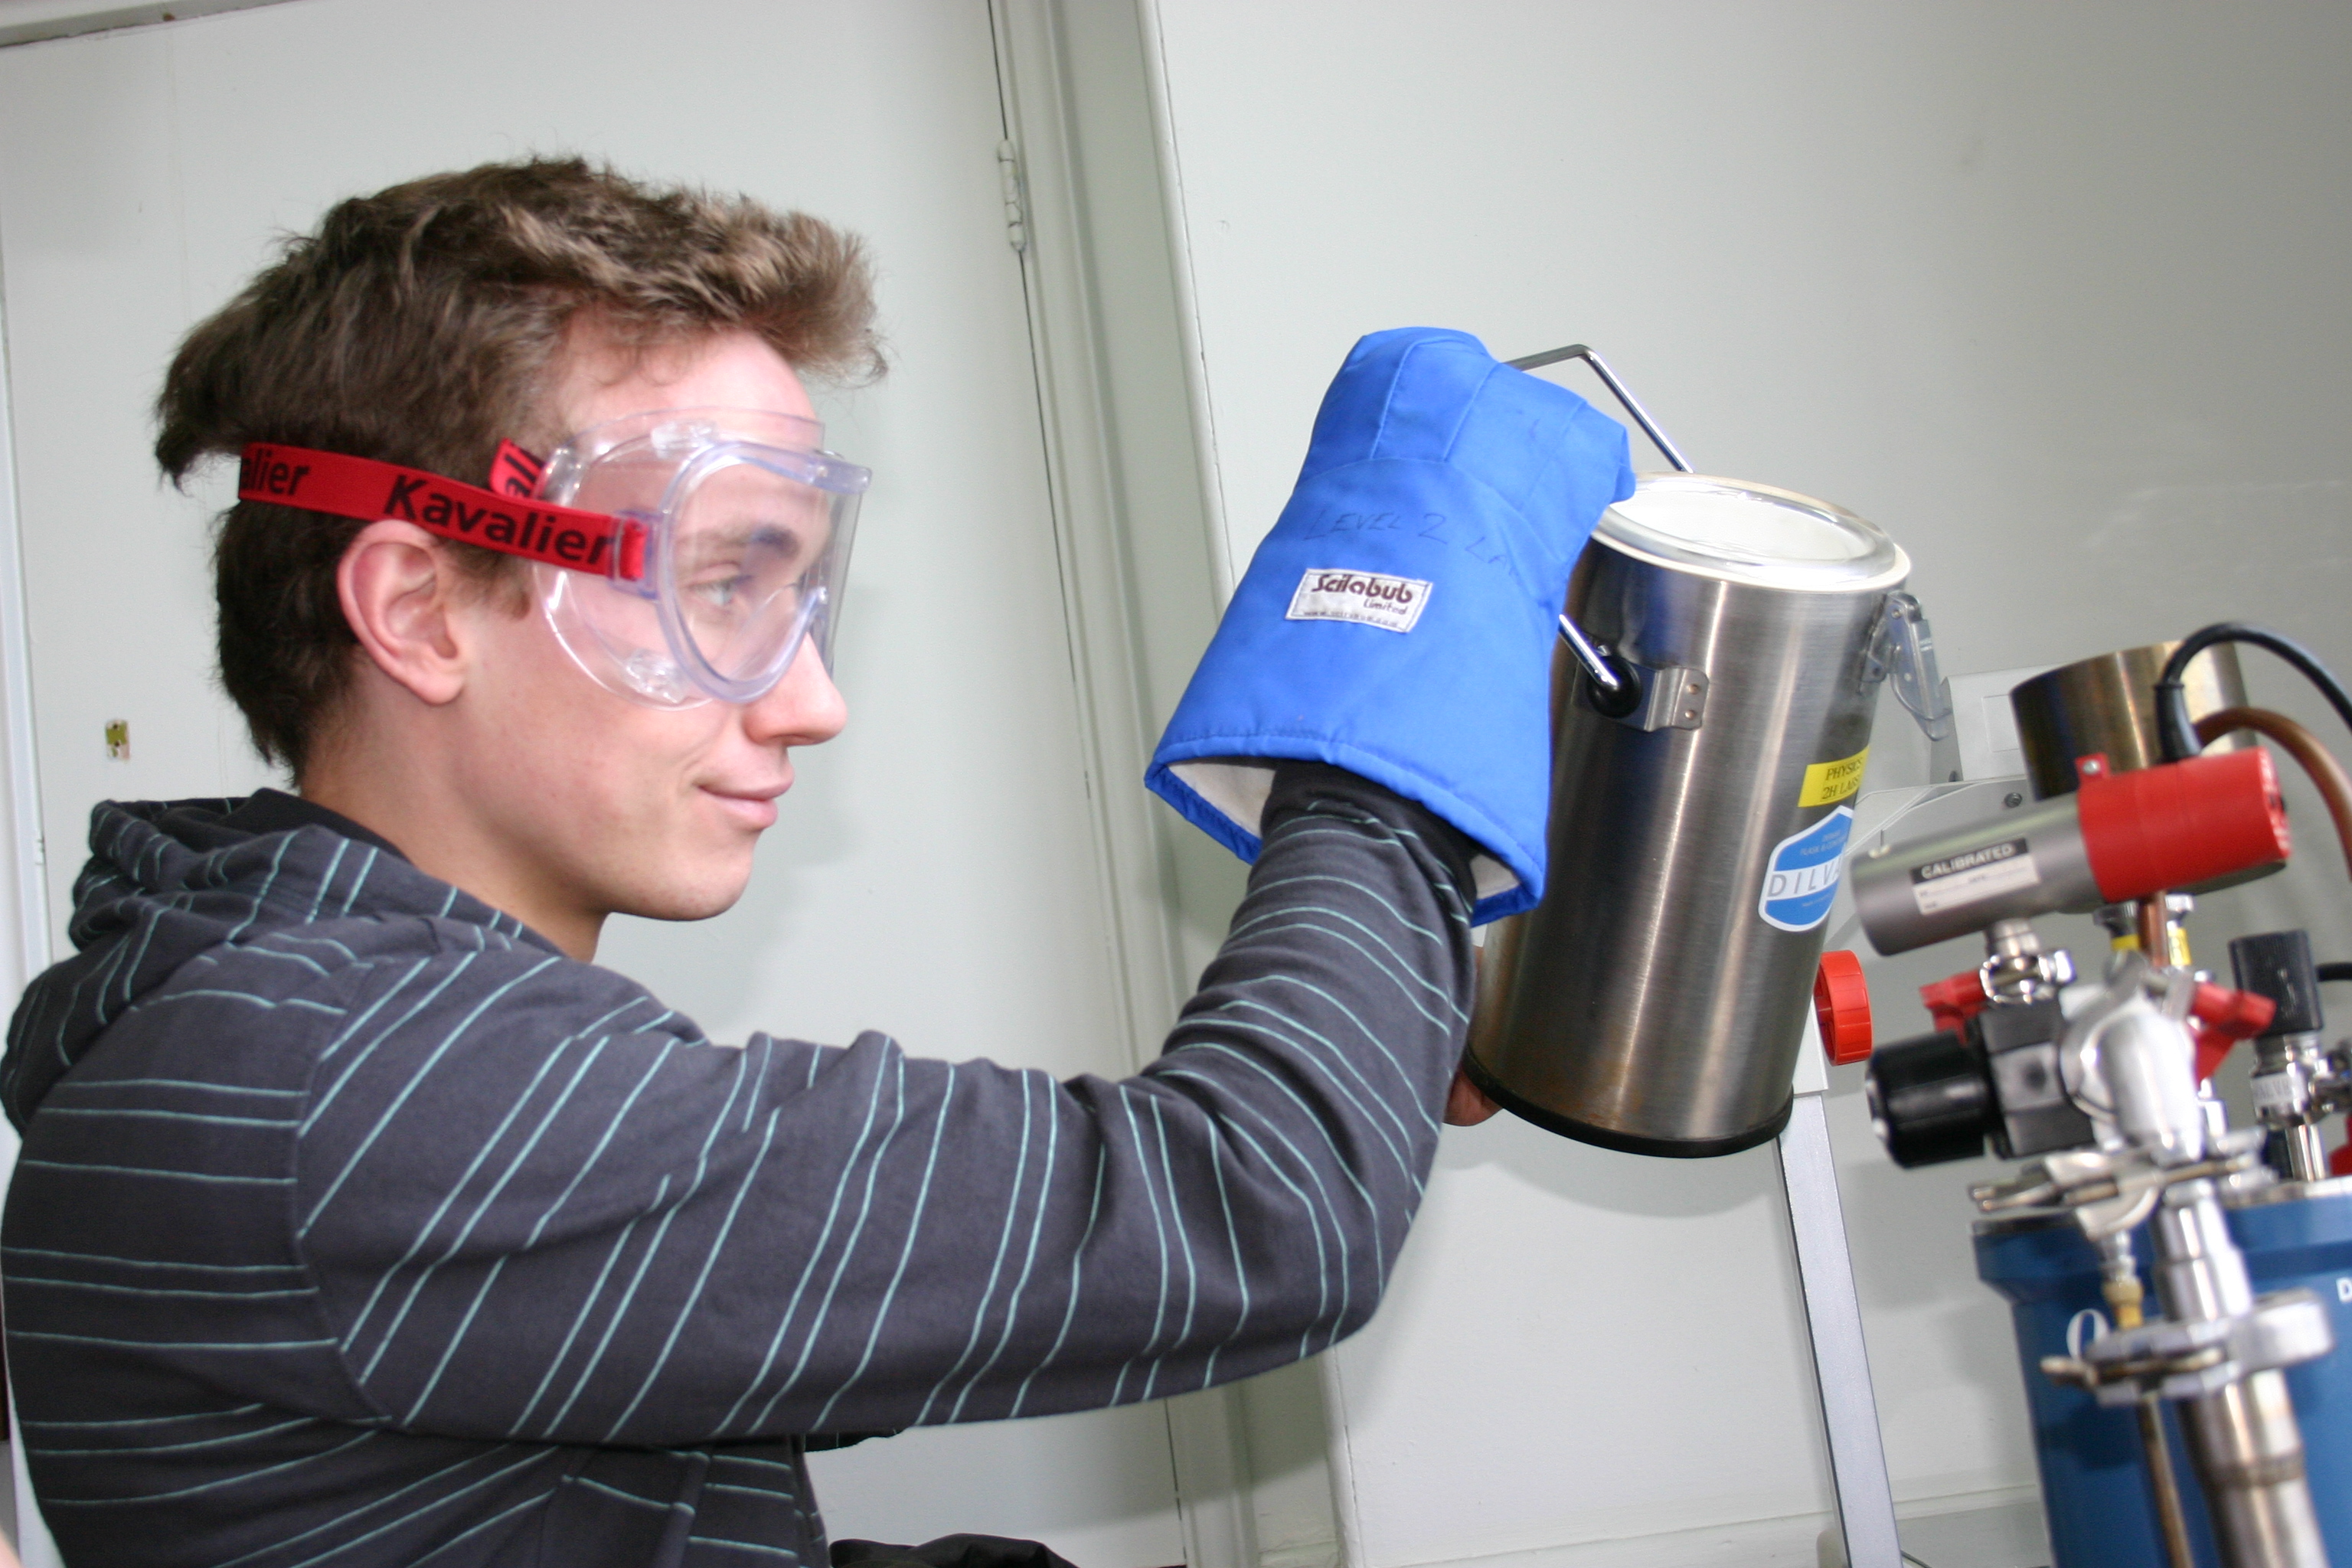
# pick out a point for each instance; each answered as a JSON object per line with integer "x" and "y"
{"x": 365, "y": 488}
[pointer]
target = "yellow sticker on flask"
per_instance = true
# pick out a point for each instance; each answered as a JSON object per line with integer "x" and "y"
{"x": 1826, "y": 781}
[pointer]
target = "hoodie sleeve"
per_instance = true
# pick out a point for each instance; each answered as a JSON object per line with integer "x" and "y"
{"x": 539, "y": 1209}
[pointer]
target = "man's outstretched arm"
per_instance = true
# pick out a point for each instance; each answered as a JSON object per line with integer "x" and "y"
{"x": 667, "y": 1242}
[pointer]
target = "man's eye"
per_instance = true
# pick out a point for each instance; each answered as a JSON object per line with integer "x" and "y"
{"x": 721, "y": 590}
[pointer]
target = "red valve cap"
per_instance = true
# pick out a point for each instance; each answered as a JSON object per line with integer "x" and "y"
{"x": 2182, "y": 824}
{"x": 1842, "y": 1007}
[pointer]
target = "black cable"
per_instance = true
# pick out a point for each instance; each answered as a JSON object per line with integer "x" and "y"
{"x": 2179, "y": 735}
{"x": 2334, "y": 971}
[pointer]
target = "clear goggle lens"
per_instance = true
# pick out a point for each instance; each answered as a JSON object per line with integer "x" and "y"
{"x": 746, "y": 545}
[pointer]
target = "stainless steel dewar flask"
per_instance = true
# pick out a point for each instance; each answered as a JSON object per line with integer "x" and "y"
{"x": 1708, "y": 743}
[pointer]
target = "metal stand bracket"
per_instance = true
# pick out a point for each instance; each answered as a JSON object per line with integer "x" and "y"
{"x": 1866, "y": 1498}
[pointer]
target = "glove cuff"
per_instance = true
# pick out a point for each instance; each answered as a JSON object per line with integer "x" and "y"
{"x": 1220, "y": 784}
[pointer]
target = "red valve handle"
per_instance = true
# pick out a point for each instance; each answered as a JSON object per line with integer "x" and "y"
{"x": 1956, "y": 999}
{"x": 1842, "y": 1007}
{"x": 2240, "y": 1015}
{"x": 2221, "y": 1018}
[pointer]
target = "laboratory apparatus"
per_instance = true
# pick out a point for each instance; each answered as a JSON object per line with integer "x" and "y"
{"x": 2102, "y": 1085}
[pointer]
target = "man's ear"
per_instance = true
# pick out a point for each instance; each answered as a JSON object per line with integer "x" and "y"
{"x": 401, "y": 595}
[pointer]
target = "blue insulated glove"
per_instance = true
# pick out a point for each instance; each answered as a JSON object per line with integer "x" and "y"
{"x": 1398, "y": 621}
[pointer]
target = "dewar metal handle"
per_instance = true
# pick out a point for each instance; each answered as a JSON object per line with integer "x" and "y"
{"x": 1616, "y": 687}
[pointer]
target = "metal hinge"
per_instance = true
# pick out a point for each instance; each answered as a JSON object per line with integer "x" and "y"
{"x": 1016, "y": 207}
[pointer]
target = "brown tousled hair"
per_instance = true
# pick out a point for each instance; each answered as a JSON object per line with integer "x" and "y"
{"x": 425, "y": 324}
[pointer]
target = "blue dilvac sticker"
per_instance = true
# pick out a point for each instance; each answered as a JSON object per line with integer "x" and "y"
{"x": 1800, "y": 881}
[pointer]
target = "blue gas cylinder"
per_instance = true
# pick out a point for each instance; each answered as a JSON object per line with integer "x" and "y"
{"x": 2095, "y": 1490}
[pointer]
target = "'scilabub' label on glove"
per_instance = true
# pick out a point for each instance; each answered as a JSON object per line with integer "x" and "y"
{"x": 1368, "y": 599}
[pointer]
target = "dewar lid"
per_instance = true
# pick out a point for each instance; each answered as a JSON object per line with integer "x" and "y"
{"x": 1746, "y": 532}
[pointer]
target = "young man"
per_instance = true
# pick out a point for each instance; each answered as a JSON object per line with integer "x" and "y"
{"x": 363, "y": 1219}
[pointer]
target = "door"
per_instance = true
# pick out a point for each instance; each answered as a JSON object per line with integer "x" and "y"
{"x": 934, "y": 875}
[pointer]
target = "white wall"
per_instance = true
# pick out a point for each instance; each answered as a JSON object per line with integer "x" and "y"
{"x": 2052, "y": 291}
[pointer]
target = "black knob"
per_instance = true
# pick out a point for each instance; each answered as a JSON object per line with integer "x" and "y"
{"x": 1931, "y": 1099}
{"x": 2277, "y": 964}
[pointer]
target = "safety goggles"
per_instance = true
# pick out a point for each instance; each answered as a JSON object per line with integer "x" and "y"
{"x": 679, "y": 556}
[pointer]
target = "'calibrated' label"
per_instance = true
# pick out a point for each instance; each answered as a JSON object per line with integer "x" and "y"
{"x": 1368, "y": 599}
{"x": 1801, "y": 880}
{"x": 1979, "y": 873}
{"x": 1826, "y": 781}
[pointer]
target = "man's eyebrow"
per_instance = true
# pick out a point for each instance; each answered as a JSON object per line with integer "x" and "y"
{"x": 733, "y": 536}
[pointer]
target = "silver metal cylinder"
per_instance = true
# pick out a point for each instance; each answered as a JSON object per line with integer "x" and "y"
{"x": 2200, "y": 1275}
{"x": 2026, "y": 863}
{"x": 2248, "y": 1450}
{"x": 2304, "y": 1152}
{"x": 1655, "y": 1001}
{"x": 2244, "y": 1437}
{"x": 2107, "y": 704}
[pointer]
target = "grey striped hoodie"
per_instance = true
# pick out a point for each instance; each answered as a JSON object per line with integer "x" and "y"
{"x": 356, "y": 1225}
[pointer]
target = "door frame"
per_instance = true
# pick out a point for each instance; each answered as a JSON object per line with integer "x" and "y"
{"x": 1063, "y": 257}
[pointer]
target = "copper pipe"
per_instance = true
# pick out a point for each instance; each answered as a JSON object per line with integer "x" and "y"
{"x": 2155, "y": 930}
{"x": 2334, "y": 783}
{"x": 2164, "y": 1485}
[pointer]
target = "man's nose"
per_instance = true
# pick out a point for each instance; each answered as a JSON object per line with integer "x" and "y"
{"x": 803, "y": 709}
